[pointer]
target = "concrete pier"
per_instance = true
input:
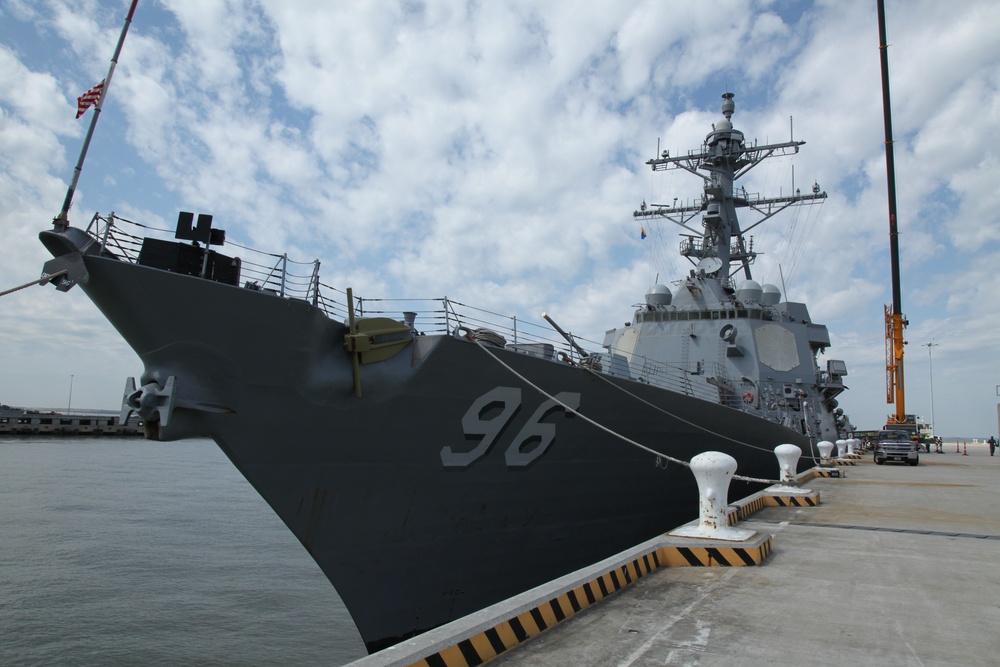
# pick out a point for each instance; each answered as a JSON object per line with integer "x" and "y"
{"x": 895, "y": 565}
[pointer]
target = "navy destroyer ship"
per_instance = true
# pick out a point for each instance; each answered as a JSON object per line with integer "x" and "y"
{"x": 437, "y": 459}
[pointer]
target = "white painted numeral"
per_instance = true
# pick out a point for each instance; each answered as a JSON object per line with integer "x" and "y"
{"x": 530, "y": 443}
{"x": 537, "y": 430}
{"x": 473, "y": 424}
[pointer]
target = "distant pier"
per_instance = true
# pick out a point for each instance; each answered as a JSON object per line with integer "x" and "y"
{"x": 21, "y": 421}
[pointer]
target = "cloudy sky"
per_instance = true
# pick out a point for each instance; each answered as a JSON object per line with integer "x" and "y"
{"x": 493, "y": 152}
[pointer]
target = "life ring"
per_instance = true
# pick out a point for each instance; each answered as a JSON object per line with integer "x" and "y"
{"x": 748, "y": 397}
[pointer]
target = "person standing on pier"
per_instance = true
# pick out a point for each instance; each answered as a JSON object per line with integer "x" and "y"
{"x": 993, "y": 444}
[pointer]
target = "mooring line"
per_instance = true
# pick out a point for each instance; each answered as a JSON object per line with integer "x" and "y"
{"x": 601, "y": 376}
{"x": 44, "y": 279}
{"x": 621, "y": 437}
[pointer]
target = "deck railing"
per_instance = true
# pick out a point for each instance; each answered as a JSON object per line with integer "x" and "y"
{"x": 283, "y": 277}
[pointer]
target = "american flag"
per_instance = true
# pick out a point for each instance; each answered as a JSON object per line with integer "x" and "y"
{"x": 88, "y": 98}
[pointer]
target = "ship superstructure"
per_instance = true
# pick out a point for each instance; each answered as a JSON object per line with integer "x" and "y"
{"x": 719, "y": 326}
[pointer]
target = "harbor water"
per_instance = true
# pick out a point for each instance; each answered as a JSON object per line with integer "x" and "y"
{"x": 120, "y": 550}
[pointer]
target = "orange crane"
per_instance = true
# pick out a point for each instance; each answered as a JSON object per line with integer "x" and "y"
{"x": 895, "y": 390}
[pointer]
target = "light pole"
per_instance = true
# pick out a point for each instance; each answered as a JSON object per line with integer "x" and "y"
{"x": 69, "y": 403}
{"x": 930, "y": 364}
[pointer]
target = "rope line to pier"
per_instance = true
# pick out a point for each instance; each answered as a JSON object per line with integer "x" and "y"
{"x": 621, "y": 437}
{"x": 675, "y": 416}
{"x": 44, "y": 279}
{"x": 601, "y": 376}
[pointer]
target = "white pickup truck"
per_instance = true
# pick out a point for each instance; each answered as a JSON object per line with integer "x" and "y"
{"x": 896, "y": 446}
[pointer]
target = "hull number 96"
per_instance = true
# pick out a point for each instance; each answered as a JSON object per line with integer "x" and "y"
{"x": 488, "y": 417}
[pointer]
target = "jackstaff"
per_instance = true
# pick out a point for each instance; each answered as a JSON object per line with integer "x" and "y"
{"x": 101, "y": 91}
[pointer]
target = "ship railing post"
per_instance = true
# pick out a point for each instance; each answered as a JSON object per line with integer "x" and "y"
{"x": 353, "y": 328}
{"x": 314, "y": 283}
{"x": 284, "y": 272}
{"x": 94, "y": 223}
{"x": 107, "y": 230}
{"x": 205, "y": 257}
{"x": 450, "y": 314}
{"x": 713, "y": 471}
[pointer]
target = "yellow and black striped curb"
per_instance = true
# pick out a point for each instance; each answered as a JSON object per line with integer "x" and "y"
{"x": 799, "y": 500}
{"x": 741, "y": 510}
{"x": 701, "y": 556}
{"x": 745, "y": 508}
{"x": 732, "y": 516}
{"x": 502, "y": 637}
{"x": 841, "y": 462}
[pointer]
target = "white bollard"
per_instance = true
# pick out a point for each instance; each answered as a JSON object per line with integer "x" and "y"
{"x": 713, "y": 471}
{"x": 841, "y": 448}
{"x": 788, "y": 460}
{"x": 850, "y": 445}
{"x": 825, "y": 448}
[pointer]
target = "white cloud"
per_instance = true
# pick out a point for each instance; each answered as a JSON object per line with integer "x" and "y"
{"x": 494, "y": 152}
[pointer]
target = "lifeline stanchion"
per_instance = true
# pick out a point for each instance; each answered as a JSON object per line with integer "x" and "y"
{"x": 965, "y": 449}
{"x": 956, "y": 447}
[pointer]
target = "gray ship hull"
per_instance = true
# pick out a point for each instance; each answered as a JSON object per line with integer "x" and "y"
{"x": 450, "y": 483}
